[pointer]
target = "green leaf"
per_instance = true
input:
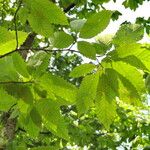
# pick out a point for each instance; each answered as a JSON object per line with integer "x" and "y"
{"x": 61, "y": 40}
{"x": 105, "y": 38}
{"x": 76, "y": 25}
{"x": 128, "y": 92}
{"x": 87, "y": 49}
{"x": 23, "y": 14}
{"x": 128, "y": 34}
{"x": 143, "y": 54}
{"x": 105, "y": 102}
{"x": 106, "y": 111}
{"x": 59, "y": 87}
{"x": 6, "y": 100}
{"x": 126, "y": 40}
{"x": 20, "y": 65}
{"x": 49, "y": 11}
{"x": 50, "y": 111}
{"x": 41, "y": 19}
{"x": 100, "y": 48}
{"x": 40, "y": 25}
{"x": 131, "y": 85}
{"x": 32, "y": 129}
{"x": 87, "y": 93}
{"x": 100, "y": 2}
{"x": 133, "y": 4}
{"x": 8, "y": 40}
{"x": 127, "y": 49}
{"x": 23, "y": 109}
{"x": 147, "y": 83}
{"x": 26, "y": 122}
{"x": 13, "y": 68}
{"x": 45, "y": 148}
{"x": 95, "y": 24}
{"x": 36, "y": 117}
{"x": 38, "y": 63}
{"x": 134, "y": 61}
{"x": 21, "y": 91}
{"x": 7, "y": 70}
{"x": 129, "y": 88}
{"x": 82, "y": 70}
{"x": 112, "y": 79}
{"x": 130, "y": 73}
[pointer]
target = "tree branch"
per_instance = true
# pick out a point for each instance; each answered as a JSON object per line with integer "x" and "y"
{"x": 27, "y": 45}
{"x": 15, "y": 22}
{"x": 69, "y": 7}
{"x": 15, "y": 82}
{"x": 38, "y": 49}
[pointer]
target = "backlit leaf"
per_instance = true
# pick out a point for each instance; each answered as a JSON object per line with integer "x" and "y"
{"x": 87, "y": 49}
{"x": 6, "y": 100}
{"x": 61, "y": 40}
{"x": 52, "y": 118}
{"x": 41, "y": 19}
{"x": 82, "y": 70}
{"x": 87, "y": 92}
{"x": 105, "y": 102}
{"x": 8, "y": 40}
{"x": 59, "y": 87}
{"x": 95, "y": 24}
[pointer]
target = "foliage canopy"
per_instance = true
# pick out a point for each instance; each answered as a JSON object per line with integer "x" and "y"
{"x": 51, "y": 98}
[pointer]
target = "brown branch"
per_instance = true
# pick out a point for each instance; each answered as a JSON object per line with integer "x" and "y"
{"x": 37, "y": 49}
{"x": 51, "y": 50}
{"x": 27, "y": 45}
{"x": 7, "y": 54}
{"x": 69, "y": 7}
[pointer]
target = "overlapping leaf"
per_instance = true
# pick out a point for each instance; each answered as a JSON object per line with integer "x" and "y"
{"x": 87, "y": 49}
{"x": 21, "y": 92}
{"x": 128, "y": 34}
{"x": 61, "y": 39}
{"x": 130, "y": 88}
{"x": 105, "y": 101}
{"x": 13, "y": 68}
{"x": 76, "y": 25}
{"x": 100, "y": 48}
{"x": 87, "y": 92}
{"x": 38, "y": 63}
{"x": 82, "y": 70}
{"x": 132, "y": 4}
{"x": 95, "y": 24}
{"x": 6, "y": 100}
{"x": 58, "y": 86}
{"x": 42, "y": 14}
{"x": 30, "y": 127}
{"x": 50, "y": 112}
{"x": 134, "y": 61}
{"x": 130, "y": 73}
{"x": 8, "y": 40}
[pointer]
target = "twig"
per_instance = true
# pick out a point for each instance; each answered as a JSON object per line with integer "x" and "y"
{"x": 2, "y": 56}
{"x": 38, "y": 49}
{"x": 52, "y": 50}
{"x": 16, "y": 82}
{"x": 15, "y": 22}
